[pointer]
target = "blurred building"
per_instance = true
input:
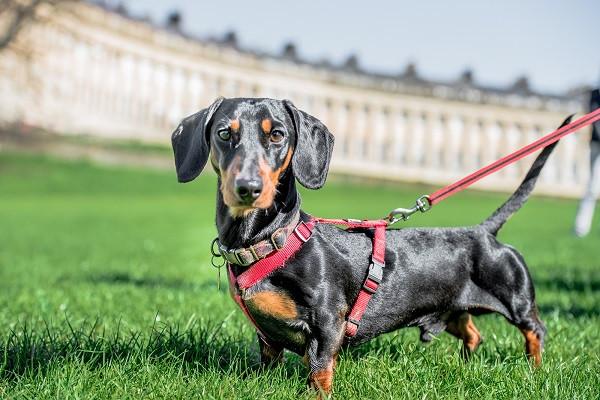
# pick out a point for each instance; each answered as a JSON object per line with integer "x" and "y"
{"x": 87, "y": 69}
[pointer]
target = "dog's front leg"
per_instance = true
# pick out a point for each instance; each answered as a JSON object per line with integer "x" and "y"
{"x": 321, "y": 357}
{"x": 270, "y": 354}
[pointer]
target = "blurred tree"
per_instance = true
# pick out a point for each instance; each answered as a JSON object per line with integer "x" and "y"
{"x": 410, "y": 72}
{"x": 467, "y": 77}
{"x": 230, "y": 39}
{"x": 352, "y": 63}
{"x": 16, "y": 14}
{"x": 174, "y": 20}
{"x": 521, "y": 85}
{"x": 290, "y": 51}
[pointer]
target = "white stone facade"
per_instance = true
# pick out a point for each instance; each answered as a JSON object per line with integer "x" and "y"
{"x": 93, "y": 71}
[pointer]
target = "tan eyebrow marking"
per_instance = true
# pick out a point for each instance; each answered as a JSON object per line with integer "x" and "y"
{"x": 266, "y": 125}
{"x": 235, "y": 125}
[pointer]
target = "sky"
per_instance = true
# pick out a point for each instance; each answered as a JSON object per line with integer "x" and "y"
{"x": 555, "y": 43}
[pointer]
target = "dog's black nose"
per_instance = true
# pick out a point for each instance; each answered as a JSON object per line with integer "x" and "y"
{"x": 248, "y": 189}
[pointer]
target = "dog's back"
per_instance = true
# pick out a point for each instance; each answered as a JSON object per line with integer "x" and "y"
{"x": 447, "y": 272}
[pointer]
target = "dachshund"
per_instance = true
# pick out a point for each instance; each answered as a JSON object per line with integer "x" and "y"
{"x": 435, "y": 279}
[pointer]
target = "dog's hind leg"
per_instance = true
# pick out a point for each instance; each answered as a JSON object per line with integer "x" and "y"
{"x": 534, "y": 331}
{"x": 516, "y": 292}
{"x": 462, "y": 327}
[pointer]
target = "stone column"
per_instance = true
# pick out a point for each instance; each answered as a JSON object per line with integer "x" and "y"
{"x": 434, "y": 138}
{"x": 355, "y": 126}
{"x": 452, "y": 128}
{"x": 470, "y": 144}
{"x": 414, "y": 136}
{"x": 375, "y": 135}
{"x": 343, "y": 128}
{"x": 399, "y": 139}
{"x": 419, "y": 140}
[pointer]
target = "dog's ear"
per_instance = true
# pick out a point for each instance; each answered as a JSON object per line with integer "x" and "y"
{"x": 190, "y": 143}
{"x": 314, "y": 144}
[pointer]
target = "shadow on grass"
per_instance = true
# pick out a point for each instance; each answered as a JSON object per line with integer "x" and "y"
{"x": 123, "y": 278}
{"x": 26, "y": 350}
{"x": 574, "y": 311}
{"x": 579, "y": 284}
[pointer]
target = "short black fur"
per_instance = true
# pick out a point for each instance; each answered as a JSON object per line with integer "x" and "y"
{"x": 434, "y": 279}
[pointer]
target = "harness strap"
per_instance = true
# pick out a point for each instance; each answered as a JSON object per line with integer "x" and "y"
{"x": 260, "y": 250}
{"x": 238, "y": 285}
{"x": 300, "y": 235}
{"x": 374, "y": 273}
{"x": 371, "y": 283}
{"x": 237, "y": 297}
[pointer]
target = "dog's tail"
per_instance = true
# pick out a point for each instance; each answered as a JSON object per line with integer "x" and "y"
{"x": 520, "y": 196}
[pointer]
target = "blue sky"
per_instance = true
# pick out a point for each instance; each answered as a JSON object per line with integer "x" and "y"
{"x": 556, "y": 43}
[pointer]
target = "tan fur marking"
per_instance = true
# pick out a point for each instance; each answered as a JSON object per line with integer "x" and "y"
{"x": 473, "y": 336}
{"x": 274, "y": 304}
{"x": 227, "y": 181}
{"x": 533, "y": 347}
{"x": 323, "y": 380}
{"x": 266, "y": 125}
{"x": 270, "y": 181}
{"x": 235, "y": 125}
{"x": 265, "y": 200}
{"x": 464, "y": 329}
{"x": 239, "y": 212}
{"x": 286, "y": 162}
{"x": 277, "y": 173}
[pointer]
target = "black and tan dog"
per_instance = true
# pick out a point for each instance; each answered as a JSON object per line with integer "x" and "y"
{"x": 435, "y": 278}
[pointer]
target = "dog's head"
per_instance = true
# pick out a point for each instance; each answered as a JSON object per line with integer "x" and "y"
{"x": 251, "y": 144}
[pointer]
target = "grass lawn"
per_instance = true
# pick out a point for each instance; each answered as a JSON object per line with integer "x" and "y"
{"x": 106, "y": 291}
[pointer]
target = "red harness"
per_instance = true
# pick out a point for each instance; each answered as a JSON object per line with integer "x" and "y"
{"x": 300, "y": 235}
{"x": 303, "y": 231}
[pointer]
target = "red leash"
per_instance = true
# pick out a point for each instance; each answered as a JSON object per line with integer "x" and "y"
{"x": 304, "y": 230}
{"x": 424, "y": 203}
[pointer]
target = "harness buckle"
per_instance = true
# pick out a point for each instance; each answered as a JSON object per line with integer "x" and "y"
{"x": 232, "y": 256}
{"x": 236, "y": 257}
{"x": 376, "y": 271}
{"x": 351, "y": 331}
{"x": 374, "y": 277}
{"x": 274, "y": 240}
{"x": 369, "y": 289}
{"x": 302, "y": 238}
{"x": 253, "y": 251}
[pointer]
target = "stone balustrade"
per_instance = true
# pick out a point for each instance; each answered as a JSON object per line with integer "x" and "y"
{"x": 95, "y": 72}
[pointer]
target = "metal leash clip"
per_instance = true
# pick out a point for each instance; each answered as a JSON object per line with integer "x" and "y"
{"x": 216, "y": 254}
{"x": 402, "y": 214}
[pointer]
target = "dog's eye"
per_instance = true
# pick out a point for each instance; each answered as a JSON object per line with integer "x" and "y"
{"x": 276, "y": 136}
{"x": 224, "y": 134}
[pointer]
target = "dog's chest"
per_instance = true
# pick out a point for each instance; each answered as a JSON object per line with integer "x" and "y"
{"x": 276, "y": 313}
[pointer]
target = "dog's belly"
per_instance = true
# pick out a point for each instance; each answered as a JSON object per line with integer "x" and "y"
{"x": 277, "y": 316}
{"x": 429, "y": 312}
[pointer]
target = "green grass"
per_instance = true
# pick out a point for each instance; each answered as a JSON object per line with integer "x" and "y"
{"x": 106, "y": 291}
